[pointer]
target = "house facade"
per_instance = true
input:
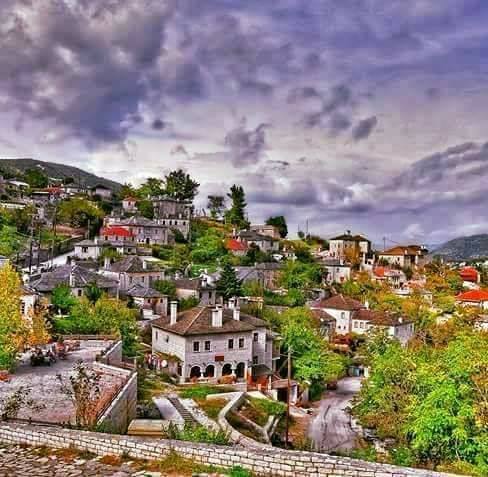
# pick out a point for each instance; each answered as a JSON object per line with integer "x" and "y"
{"x": 102, "y": 191}
{"x": 173, "y": 213}
{"x": 345, "y": 246}
{"x": 198, "y": 288}
{"x": 335, "y": 270}
{"x": 475, "y": 298}
{"x": 264, "y": 242}
{"x": 268, "y": 230}
{"x": 212, "y": 343}
{"x": 132, "y": 270}
{"x": 410, "y": 256}
{"x": 142, "y": 230}
{"x": 129, "y": 205}
{"x": 351, "y": 316}
{"x": 93, "y": 249}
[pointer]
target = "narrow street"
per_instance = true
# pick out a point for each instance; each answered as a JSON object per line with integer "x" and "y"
{"x": 331, "y": 429}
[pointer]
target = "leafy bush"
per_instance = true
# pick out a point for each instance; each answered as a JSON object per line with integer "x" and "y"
{"x": 197, "y": 433}
{"x": 202, "y": 391}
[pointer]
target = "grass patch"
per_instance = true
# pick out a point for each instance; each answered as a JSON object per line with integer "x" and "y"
{"x": 197, "y": 433}
{"x": 241, "y": 426}
{"x": 150, "y": 384}
{"x": 212, "y": 407}
{"x": 260, "y": 410}
{"x": 201, "y": 391}
{"x": 176, "y": 465}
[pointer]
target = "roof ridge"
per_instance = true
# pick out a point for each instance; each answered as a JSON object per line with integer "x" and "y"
{"x": 195, "y": 319}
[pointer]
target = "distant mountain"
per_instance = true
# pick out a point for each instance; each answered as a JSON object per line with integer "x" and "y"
{"x": 464, "y": 248}
{"x": 58, "y": 171}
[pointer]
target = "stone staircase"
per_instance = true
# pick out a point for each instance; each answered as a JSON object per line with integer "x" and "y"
{"x": 182, "y": 410}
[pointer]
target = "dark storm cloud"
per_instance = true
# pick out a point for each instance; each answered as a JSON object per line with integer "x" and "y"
{"x": 246, "y": 146}
{"x": 364, "y": 128}
{"x": 158, "y": 124}
{"x": 338, "y": 123}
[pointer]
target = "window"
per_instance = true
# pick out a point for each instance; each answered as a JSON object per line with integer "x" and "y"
{"x": 84, "y": 249}
{"x": 196, "y": 346}
{"x": 207, "y": 345}
{"x": 355, "y": 324}
{"x": 255, "y": 337}
{"x": 80, "y": 292}
{"x": 230, "y": 344}
{"x": 361, "y": 325}
{"x": 343, "y": 315}
{"x": 166, "y": 338}
{"x": 266, "y": 347}
{"x": 156, "y": 334}
{"x": 254, "y": 360}
{"x": 22, "y": 308}
{"x": 241, "y": 342}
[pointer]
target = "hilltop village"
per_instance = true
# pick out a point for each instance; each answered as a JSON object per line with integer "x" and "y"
{"x": 127, "y": 310}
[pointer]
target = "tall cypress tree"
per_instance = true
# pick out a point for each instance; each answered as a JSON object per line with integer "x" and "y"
{"x": 229, "y": 284}
{"x": 236, "y": 215}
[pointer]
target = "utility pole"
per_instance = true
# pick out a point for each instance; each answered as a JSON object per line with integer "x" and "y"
{"x": 31, "y": 244}
{"x": 384, "y": 244}
{"x": 288, "y": 389}
{"x": 39, "y": 247}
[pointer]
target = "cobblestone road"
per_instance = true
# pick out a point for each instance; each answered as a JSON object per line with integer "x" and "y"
{"x": 39, "y": 462}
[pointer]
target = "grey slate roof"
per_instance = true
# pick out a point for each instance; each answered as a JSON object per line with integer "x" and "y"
{"x": 132, "y": 264}
{"x": 82, "y": 278}
{"x": 141, "y": 291}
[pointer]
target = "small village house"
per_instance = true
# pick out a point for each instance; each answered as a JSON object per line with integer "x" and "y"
{"x": 476, "y": 298}
{"x": 268, "y": 230}
{"x": 408, "y": 256}
{"x": 198, "y": 288}
{"x": 215, "y": 343}
{"x": 348, "y": 246}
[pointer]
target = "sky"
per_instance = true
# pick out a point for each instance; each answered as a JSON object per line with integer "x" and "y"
{"x": 362, "y": 115}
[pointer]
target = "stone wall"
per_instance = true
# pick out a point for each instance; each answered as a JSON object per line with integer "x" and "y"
{"x": 113, "y": 356}
{"x": 264, "y": 462}
{"x": 122, "y": 409}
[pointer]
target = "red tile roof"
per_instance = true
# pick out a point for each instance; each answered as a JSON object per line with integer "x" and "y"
{"x": 235, "y": 245}
{"x": 131, "y": 199}
{"x": 116, "y": 231}
{"x": 469, "y": 274}
{"x": 474, "y": 296}
{"x": 404, "y": 250}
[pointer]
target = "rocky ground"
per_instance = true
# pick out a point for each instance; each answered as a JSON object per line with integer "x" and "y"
{"x": 17, "y": 461}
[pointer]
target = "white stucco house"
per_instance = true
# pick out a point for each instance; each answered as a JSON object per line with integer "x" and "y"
{"x": 214, "y": 342}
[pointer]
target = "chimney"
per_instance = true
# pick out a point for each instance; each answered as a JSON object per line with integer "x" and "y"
{"x": 217, "y": 316}
{"x": 173, "y": 312}
{"x": 144, "y": 265}
{"x": 95, "y": 240}
{"x": 232, "y": 303}
{"x": 71, "y": 277}
{"x": 366, "y": 305}
{"x": 236, "y": 313}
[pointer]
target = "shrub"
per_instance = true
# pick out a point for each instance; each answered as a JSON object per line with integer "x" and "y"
{"x": 197, "y": 433}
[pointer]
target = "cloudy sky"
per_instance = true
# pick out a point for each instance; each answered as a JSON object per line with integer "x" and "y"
{"x": 367, "y": 115}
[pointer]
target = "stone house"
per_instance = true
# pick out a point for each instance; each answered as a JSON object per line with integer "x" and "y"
{"x": 268, "y": 230}
{"x": 3, "y": 261}
{"x": 93, "y": 249}
{"x": 102, "y": 191}
{"x": 353, "y": 317}
{"x": 264, "y": 242}
{"x": 132, "y": 270}
{"x": 146, "y": 298}
{"x": 129, "y": 205}
{"x": 236, "y": 247}
{"x": 410, "y": 256}
{"x": 198, "y": 288}
{"x": 335, "y": 270}
{"x": 211, "y": 343}
{"x": 344, "y": 246}
{"x": 76, "y": 277}
{"x": 142, "y": 230}
{"x": 28, "y": 301}
{"x": 173, "y": 213}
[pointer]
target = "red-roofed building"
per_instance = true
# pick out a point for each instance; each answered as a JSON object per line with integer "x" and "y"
{"x": 469, "y": 274}
{"x": 478, "y": 298}
{"x": 236, "y": 247}
{"x": 116, "y": 233}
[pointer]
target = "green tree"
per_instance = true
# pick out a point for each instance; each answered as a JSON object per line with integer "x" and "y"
{"x": 36, "y": 178}
{"x": 78, "y": 212}
{"x": 93, "y": 292}
{"x": 216, "y": 204}
{"x": 236, "y": 215}
{"x": 62, "y": 298}
{"x": 229, "y": 284}
{"x": 181, "y": 186}
{"x": 152, "y": 187}
{"x": 208, "y": 247}
{"x": 300, "y": 275}
{"x": 279, "y": 221}
{"x": 166, "y": 287}
{"x": 10, "y": 241}
{"x": 13, "y": 331}
{"x": 145, "y": 208}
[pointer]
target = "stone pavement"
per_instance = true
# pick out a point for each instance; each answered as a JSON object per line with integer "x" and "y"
{"x": 39, "y": 462}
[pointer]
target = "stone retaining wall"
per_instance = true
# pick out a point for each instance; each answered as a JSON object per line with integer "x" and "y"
{"x": 264, "y": 462}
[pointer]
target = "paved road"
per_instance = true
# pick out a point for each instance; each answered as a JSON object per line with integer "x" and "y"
{"x": 330, "y": 429}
